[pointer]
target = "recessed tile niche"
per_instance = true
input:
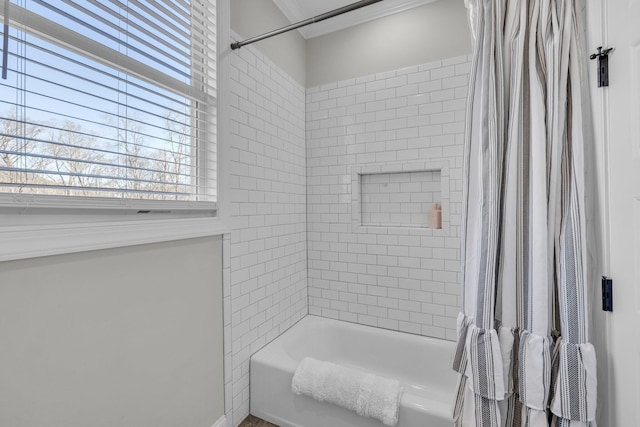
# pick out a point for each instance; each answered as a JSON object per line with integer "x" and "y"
{"x": 400, "y": 199}
{"x": 399, "y": 196}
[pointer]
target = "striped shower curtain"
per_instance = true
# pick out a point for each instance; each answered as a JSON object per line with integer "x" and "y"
{"x": 523, "y": 353}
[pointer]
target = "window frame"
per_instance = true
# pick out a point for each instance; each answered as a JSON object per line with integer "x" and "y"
{"x": 42, "y": 225}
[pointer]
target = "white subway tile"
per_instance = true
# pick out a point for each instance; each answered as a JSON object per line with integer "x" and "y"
{"x": 267, "y": 268}
{"x": 398, "y": 278}
{"x": 419, "y": 77}
{"x": 443, "y": 72}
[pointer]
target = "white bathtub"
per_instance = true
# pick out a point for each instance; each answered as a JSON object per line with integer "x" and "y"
{"x": 419, "y": 363}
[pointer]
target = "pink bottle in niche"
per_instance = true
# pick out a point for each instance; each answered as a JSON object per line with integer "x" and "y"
{"x": 434, "y": 216}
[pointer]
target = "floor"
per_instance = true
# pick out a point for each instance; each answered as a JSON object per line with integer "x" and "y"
{"x": 252, "y": 421}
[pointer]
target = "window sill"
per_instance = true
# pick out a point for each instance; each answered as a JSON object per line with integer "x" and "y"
{"x": 30, "y": 241}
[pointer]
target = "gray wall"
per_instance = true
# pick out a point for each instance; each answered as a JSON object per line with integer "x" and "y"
{"x": 123, "y": 337}
{"x": 288, "y": 51}
{"x": 416, "y": 36}
{"x": 421, "y": 35}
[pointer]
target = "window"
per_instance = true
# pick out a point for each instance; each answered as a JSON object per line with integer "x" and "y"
{"x": 109, "y": 103}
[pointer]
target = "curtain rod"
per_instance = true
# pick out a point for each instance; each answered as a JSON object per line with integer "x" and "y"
{"x": 318, "y": 18}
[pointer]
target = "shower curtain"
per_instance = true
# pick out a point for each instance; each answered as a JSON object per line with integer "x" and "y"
{"x": 523, "y": 353}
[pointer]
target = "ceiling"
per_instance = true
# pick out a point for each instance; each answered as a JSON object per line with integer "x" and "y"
{"x": 299, "y": 10}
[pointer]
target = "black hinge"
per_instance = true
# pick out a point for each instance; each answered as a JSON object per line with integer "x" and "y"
{"x": 603, "y": 65}
{"x": 607, "y": 294}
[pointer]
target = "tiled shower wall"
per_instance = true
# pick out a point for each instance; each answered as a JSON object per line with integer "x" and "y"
{"x": 268, "y": 262}
{"x": 404, "y": 277}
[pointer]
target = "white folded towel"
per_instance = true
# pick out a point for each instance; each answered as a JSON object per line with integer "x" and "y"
{"x": 367, "y": 394}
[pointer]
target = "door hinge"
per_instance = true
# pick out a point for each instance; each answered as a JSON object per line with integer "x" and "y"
{"x": 607, "y": 293}
{"x": 603, "y": 65}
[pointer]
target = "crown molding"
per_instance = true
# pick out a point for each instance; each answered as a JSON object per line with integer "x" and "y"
{"x": 293, "y": 10}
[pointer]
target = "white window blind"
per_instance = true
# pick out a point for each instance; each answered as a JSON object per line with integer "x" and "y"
{"x": 109, "y": 99}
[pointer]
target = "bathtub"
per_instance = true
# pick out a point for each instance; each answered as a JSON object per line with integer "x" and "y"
{"x": 419, "y": 363}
